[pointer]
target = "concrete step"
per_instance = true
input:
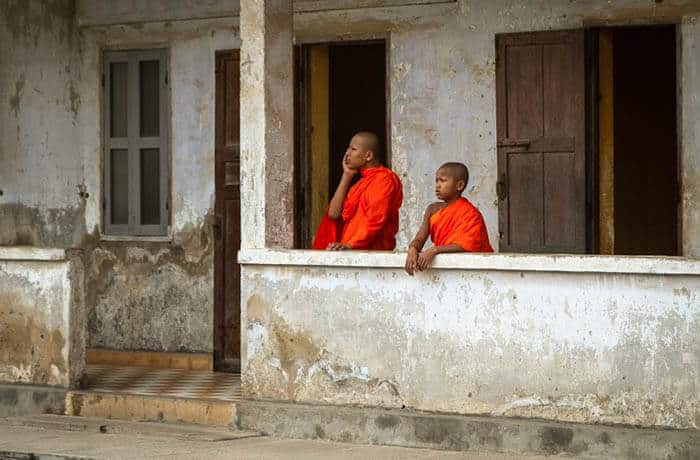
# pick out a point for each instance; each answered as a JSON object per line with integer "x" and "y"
{"x": 73, "y": 438}
{"x": 184, "y": 432}
{"x": 408, "y": 428}
{"x": 142, "y": 408}
{"x": 22, "y": 399}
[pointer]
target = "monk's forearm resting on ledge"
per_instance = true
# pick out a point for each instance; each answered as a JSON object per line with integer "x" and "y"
{"x": 335, "y": 209}
{"x": 448, "y": 248}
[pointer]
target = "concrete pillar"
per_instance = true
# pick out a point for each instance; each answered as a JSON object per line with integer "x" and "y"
{"x": 267, "y": 124}
{"x": 689, "y": 101}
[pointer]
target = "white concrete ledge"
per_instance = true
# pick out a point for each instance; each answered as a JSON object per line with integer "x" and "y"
{"x": 31, "y": 253}
{"x": 137, "y": 239}
{"x": 496, "y": 262}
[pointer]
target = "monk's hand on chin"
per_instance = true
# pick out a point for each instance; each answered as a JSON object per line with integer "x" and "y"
{"x": 347, "y": 170}
{"x": 411, "y": 260}
{"x": 425, "y": 259}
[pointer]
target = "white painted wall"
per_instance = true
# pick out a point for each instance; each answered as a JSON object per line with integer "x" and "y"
{"x": 498, "y": 335}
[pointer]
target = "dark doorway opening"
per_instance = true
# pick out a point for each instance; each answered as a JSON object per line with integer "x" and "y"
{"x": 645, "y": 145}
{"x": 357, "y": 98}
{"x": 635, "y": 149}
{"x": 340, "y": 89}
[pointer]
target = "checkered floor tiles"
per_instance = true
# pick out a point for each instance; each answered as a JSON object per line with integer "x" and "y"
{"x": 175, "y": 383}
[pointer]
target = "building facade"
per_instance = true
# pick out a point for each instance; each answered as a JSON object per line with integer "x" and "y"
{"x": 159, "y": 140}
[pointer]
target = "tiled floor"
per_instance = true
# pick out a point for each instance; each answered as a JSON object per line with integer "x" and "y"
{"x": 175, "y": 383}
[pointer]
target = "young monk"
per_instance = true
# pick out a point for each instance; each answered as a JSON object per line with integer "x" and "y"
{"x": 453, "y": 224}
{"x": 364, "y": 215}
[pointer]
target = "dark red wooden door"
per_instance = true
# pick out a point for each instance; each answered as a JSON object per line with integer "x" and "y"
{"x": 227, "y": 228}
{"x": 541, "y": 130}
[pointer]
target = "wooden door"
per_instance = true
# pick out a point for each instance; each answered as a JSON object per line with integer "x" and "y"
{"x": 227, "y": 228}
{"x": 541, "y": 130}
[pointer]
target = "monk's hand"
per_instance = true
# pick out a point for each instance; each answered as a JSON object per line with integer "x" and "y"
{"x": 347, "y": 170}
{"x": 411, "y": 260}
{"x": 338, "y": 247}
{"x": 425, "y": 259}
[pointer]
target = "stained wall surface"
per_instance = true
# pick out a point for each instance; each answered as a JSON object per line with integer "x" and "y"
{"x": 40, "y": 168}
{"x": 518, "y": 339}
{"x": 41, "y": 300}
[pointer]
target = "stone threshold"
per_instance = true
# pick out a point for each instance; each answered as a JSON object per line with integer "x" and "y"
{"x": 408, "y": 428}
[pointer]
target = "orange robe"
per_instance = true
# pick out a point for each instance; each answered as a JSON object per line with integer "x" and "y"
{"x": 370, "y": 217}
{"x": 460, "y": 223}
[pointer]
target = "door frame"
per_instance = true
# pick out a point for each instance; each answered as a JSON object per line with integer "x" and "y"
{"x": 303, "y": 233}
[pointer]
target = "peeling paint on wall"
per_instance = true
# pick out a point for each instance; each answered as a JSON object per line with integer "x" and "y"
{"x": 29, "y": 351}
{"x": 595, "y": 348}
{"x": 37, "y": 344}
{"x": 290, "y": 364}
{"x": 152, "y": 296}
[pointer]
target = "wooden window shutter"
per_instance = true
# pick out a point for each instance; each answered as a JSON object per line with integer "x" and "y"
{"x": 136, "y": 142}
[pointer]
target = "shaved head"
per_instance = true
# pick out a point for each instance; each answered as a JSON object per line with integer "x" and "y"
{"x": 371, "y": 142}
{"x": 457, "y": 170}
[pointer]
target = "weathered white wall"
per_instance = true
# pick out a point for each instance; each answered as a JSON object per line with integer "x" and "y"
{"x": 442, "y": 88}
{"x": 526, "y": 337}
{"x": 443, "y": 109}
{"x": 40, "y": 169}
{"x": 158, "y": 295}
{"x": 142, "y": 294}
{"x": 444, "y": 98}
{"x": 41, "y": 336}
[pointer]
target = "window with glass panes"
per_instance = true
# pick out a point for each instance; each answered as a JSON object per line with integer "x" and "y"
{"x": 135, "y": 125}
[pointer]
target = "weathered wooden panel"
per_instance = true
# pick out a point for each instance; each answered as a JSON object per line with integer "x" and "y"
{"x": 541, "y": 142}
{"x": 227, "y": 228}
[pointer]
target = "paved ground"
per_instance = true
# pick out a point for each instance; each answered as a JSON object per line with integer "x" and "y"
{"x": 60, "y": 437}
